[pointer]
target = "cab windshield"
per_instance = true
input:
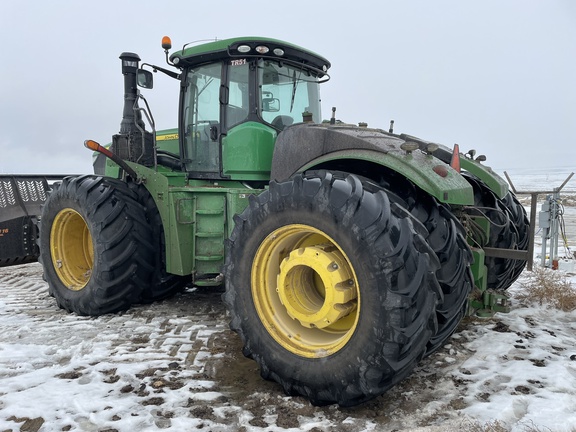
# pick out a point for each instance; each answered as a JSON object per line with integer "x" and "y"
{"x": 286, "y": 92}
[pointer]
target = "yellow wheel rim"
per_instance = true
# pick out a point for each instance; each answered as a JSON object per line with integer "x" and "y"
{"x": 71, "y": 249}
{"x": 305, "y": 291}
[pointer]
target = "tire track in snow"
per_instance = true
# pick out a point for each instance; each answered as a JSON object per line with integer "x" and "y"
{"x": 148, "y": 350}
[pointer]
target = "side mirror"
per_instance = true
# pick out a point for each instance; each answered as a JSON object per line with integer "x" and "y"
{"x": 145, "y": 79}
{"x": 271, "y": 105}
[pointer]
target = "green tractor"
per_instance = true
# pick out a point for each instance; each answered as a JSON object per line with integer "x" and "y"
{"x": 348, "y": 253}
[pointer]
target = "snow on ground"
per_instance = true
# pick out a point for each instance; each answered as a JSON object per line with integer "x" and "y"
{"x": 523, "y": 370}
{"x": 175, "y": 366}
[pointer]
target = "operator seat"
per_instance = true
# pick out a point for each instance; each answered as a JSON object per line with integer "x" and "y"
{"x": 281, "y": 121}
{"x": 235, "y": 115}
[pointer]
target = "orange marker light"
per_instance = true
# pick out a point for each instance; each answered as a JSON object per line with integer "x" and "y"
{"x": 93, "y": 145}
{"x": 455, "y": 162}
{"x": 166, "y": 43}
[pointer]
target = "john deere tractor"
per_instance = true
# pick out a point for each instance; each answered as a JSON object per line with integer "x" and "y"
{"x": 348, "y": 253}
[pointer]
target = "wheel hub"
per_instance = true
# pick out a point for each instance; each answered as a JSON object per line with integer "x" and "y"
{"x": 315, "y": 286}
{"x": 305, "y": 291}
{"x": 71, "y": 249}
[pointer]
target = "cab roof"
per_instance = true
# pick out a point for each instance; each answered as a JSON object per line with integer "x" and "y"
{"x": 247, "y": 47}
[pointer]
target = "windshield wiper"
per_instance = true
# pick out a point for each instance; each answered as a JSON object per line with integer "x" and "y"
{"x": 205, "y": 85}
{"x": 294, "y": 84}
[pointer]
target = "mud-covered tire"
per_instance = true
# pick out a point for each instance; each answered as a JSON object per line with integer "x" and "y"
{"x": 162, "y": 284}
{"x": 95, "y": 245}
{"x": 382, "y": 274}
{"x": 502, "y": 272}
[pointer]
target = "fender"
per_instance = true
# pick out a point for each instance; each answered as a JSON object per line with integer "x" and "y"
{"x": 306, "y": 146}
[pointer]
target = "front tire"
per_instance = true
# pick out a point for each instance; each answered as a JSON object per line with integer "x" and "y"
{"x": 95, "y": 245}
{"x": 331, "y": 288}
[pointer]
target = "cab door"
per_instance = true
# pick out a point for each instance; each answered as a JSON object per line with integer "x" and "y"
{"x": 200, "y": 123}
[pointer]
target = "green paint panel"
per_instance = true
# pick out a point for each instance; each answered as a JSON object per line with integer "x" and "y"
{"x": 247, "y": 152}
{"x": 111, "y": 170}
{"x": 479, "y": 270}
{"x": 496, "y": 183}
{"x": 197, "y": 215}
{"x": 237, "y": 201}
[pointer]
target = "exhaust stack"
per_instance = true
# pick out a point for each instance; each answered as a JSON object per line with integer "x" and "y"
{"x": 129, "y": 70}
{"x": 133, "y": 143}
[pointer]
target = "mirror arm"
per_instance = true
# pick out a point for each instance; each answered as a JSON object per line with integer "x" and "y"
{"x": 155, "y": 68}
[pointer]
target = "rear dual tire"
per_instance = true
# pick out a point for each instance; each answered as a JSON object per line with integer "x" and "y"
{"x": 447, "y": 238}
{"x": 508, "y": 230}
{"x": 519, "y": 219}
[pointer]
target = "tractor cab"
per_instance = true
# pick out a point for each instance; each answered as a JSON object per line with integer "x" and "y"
{"x": 236, "y": 96}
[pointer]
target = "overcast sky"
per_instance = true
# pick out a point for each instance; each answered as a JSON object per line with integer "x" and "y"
{"x": 494, "y": 75}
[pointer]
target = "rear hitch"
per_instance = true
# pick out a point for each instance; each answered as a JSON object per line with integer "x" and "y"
{"x": 484, "y": 302}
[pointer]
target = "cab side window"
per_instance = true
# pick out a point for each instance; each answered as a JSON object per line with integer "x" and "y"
{"x": 238, "y": 105}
